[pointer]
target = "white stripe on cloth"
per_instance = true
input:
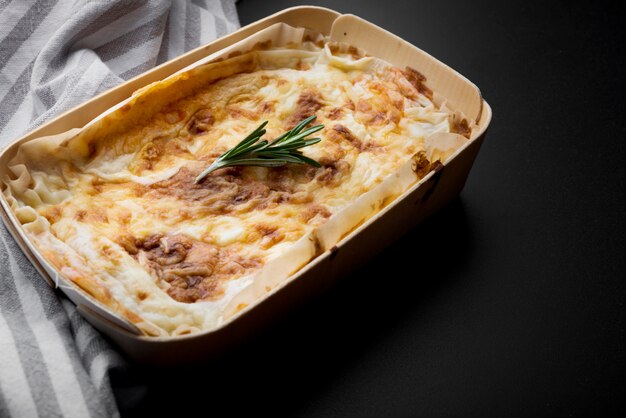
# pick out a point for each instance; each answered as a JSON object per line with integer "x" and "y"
{"x": 55, "y": 357}
{"x": 14, "y": 387}
{"x": 17, "y": 10}
{"x": 53, "y": 56}
{"x": 208, "y": 28}
{"x": 28, "y": 49}
{"x": 22, "y": 115}
{"x": 99, "y": 368}
{"x": 81, "y": 85}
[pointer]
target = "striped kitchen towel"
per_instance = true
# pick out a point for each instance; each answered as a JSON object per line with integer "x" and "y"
{"x": 53, "y": 56}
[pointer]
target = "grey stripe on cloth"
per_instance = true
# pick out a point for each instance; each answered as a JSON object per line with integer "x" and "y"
{"x": 192, "y": 27}
{"x": 230, "y": 11}
{"x": 33, "y": 18}
{"x": 38, "y": 379}
{"x": 92, "y": 20}
{"x": 3, "y": 4}
{"x": 165, "y": 41}
{"x": 143, "y": 34}
{"x": 53, "y": 56}
{"x": 10, "y": 103}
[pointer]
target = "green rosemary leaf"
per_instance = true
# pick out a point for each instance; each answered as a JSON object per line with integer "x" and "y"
{"x": 285, "y": 149}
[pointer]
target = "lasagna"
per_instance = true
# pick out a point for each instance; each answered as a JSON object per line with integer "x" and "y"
{"x": 115, "y": 209}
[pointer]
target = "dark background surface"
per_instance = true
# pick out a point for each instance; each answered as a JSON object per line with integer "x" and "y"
{"x": 513, "y": 303}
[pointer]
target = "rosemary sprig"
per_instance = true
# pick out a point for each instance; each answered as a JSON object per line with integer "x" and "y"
{"x": 283, "y": 150}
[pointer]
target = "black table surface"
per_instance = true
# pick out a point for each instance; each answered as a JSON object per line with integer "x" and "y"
{"x": 510, "y": 300}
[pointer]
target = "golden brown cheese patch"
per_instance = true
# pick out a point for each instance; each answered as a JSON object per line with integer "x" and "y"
{"x": 269, "y": 234}
{"x": 331, "y": 173}
{"x": 189, "y": 269}
{"x": 92, "y": 215}
{"x": 200, "y": 122}
{"x": 313, "y": 211}
{"x": 308, "y": 104}
{"x": 228, "y": 191}
{"x": 461, "y": 127}
{"x": 381, "y": 108}
{"x": 52, "y": 213}
{"x": 340, "y": 131}
{"x": 417, "y": 79}
{"x": 238, "y": 113}
{"x": 157, "y": 151}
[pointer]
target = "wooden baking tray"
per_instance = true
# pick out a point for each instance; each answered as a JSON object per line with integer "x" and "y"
{"x": 406, "y": 211}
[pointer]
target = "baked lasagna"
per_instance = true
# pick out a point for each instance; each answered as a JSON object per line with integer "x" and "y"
{"x": 114, "y": 208}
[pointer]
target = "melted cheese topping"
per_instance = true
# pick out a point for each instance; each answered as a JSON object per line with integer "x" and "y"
{"x": 171, "y": 252}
